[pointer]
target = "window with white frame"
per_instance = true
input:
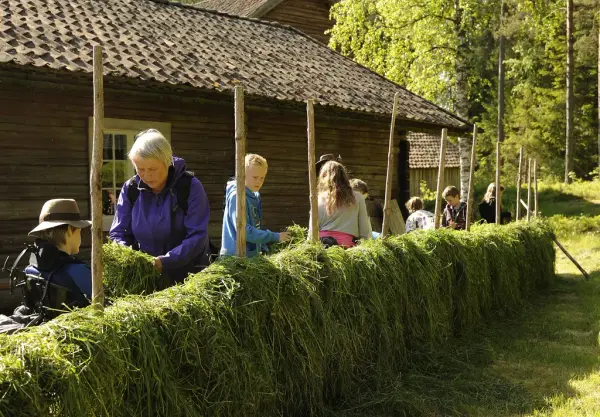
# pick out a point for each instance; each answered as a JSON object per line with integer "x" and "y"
{"x": 119, "y": 136}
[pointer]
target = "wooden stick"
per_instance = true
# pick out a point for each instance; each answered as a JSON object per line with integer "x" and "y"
{"x": 470, "y": 196}
{"x": 440, "y": 179}
{"x": 240, "y": 172}
{"x": 519, "y": 175}
{"x": 312, "y": 173}
{"x": 96, "y": 183}
{"x": 585, "y": 274}
{"x": 529, "y": 190}
{"x": 525, "y": 206}
{"x": 498, "y": 192}
{"x": 390, "y": 167}
{"x": 535, "y": 189}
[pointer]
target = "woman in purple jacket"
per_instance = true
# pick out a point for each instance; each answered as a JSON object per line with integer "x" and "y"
{"x": 150, "y": 216}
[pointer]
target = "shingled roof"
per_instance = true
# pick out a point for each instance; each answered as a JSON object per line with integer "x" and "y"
{"x": 185, "y": 45}
{"x": 425, "y": 151}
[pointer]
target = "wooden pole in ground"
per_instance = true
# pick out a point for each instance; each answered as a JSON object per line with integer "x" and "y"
{"x": 519, "y": 175}
{"x": 390, "y": 167}
{"x": 535, "y": 190}
{"x": 498, "y": 192}
{"x": 585, "y": 274}
{"x": 312, "y": 173}
{"x": 240, "y": 172}
{"x": 96, "y": 182}
{"x": 440, "y": 179}
{"x": 470, "y": 196}
{"x": 529, "y": 190}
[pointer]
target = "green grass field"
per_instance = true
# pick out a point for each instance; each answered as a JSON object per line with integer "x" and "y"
{"x": 544, "y": 361}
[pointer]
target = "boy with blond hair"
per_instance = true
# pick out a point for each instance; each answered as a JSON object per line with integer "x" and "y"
{"x": 256, "y": 237}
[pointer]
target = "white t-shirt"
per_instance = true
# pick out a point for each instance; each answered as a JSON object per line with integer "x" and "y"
{"x": 420, "y": 219}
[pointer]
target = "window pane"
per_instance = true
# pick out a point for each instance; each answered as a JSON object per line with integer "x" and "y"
{"x": 108, "y": 145}
{"x": 107, "y": 174}
{"x": 120, "y": 172}
{"x": 120, "y": 147}
{"x": 109, "y": 202}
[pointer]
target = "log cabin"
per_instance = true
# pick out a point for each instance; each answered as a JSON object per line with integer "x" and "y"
{"x": 312, "y": 18}
{"x": 308, "y": 16}
{"x": 174, "y": 67}
{"x": 424, "y": 159}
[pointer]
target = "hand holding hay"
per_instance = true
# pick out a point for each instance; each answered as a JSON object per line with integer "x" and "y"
{"x": 127, "y": 271}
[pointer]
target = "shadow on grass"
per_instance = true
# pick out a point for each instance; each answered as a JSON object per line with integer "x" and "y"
{"x": 512, "y": 366}
{"x": 550, "y": 202}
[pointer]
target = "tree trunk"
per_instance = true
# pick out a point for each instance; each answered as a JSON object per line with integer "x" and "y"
{"x": 501, "y": 79}
{"x": 462, "y": 99}
{"x": 570, "y": 145}
{"x": 500, "y": 117}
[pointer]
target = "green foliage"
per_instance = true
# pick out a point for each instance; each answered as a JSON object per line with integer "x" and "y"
{"x": 416, "y": 43}
{"x": 297, "y": 333}
{"x": 574, "y": 226}
{"x": 428, "y": 196}
{"x": 423, "y": 46}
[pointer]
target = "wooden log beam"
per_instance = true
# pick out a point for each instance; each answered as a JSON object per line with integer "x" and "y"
{"x": 535, "y": 189}
{"x": 240, "y": 172}
{"x": 519, "y": 177}
{"x": 96, "y": 182}
{"x": 498, "y": 192}
{"x": 390, "y": 170}
{"x": 568, "y": 255}
{"x": 470, "y": 196}
{"x": 440, "y": 179}
{"x": 529, "y": 190}
{"x": 312, "y": 173}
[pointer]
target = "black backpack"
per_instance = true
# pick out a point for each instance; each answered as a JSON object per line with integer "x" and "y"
{"x": 182, "y": 192}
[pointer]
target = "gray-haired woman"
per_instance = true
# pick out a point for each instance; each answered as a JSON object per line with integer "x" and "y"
{"x": 163, "y": 210}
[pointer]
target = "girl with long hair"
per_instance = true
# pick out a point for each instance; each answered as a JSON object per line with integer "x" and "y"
{"x": 487, "y": 207}
{"x": 342, "y": 212}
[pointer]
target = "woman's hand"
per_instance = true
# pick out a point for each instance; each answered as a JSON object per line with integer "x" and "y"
{"x": 158, "y": 264}
{"x": 284, "y": 236}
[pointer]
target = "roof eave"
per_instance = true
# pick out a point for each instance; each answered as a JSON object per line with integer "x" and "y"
{"x": 264, "y": 8}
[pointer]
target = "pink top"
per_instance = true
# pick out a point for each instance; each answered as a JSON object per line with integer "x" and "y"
{"x": 343, "y": 239}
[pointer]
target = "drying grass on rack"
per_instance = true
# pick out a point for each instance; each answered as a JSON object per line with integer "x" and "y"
{"x": 127, "y": 271}
{"x": 294, "y": 334}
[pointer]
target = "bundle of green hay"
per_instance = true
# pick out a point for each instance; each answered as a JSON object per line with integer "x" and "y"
{"x": 294, "y": 334}
{"x": 298, "y": 235}
{"x": 127, "y": 271}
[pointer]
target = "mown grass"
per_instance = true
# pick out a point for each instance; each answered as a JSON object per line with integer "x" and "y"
{"x": 543, "y": 361}
{"x": 580, "y": 198}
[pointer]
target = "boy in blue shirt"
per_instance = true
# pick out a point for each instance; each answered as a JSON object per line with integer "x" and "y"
{"x": 256, "y": 237}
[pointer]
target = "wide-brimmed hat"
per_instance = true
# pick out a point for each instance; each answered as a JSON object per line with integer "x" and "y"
{"x": 326, "y": 158}
{"x": 58, "y": 212}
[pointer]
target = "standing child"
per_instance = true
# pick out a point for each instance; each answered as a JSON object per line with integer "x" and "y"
{"x": 455, "y": 213}
{"x": 343, "y": 217}
{"x": 360, "y": 186}
{"x": 418, "y": 218}
{"x": 487, "y": 207}
{"x": 256, "y": 237}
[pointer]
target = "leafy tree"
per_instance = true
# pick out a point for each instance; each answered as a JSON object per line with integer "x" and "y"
{"x": 440, "y": 49}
